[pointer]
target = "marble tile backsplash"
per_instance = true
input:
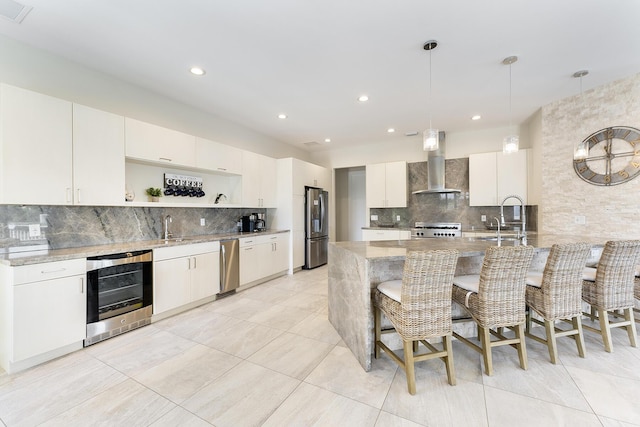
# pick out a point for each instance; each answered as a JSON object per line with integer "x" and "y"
{"x": 445, "y": 207}
{"x": 76, "y": 226}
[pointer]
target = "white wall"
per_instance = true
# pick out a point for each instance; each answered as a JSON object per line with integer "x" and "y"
{"x": 40, "y": 71}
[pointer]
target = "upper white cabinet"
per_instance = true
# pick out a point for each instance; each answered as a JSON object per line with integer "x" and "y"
{"x": 98, "y": 157}
{"x": 144, "y": 141}
{"x": 259, "y": 180}
{"x": 218, "y": 157}
{"x": 493, "y": 176}
{"x": 386, "y": 185}
{"x": 308, "y": 174}
{"x": 35, "y": 139}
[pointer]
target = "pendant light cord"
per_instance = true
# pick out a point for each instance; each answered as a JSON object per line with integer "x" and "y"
{"x": 430, "y": 90}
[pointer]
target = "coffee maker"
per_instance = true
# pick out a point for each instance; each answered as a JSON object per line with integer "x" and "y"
{"x": 261, "y": 223}
{"x": 248, "y": 223}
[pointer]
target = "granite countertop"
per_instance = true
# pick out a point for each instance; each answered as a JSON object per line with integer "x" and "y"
{"x": 468, "y": 246}
{"x": 51, "y": 255}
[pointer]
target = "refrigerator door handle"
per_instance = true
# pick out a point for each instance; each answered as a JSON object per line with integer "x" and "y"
{"x": 322, "y": 216}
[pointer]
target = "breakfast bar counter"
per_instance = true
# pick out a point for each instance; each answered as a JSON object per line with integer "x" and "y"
{"x": 356, "y": 268}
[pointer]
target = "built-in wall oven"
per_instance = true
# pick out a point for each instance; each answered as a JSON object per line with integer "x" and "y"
{"x": 119, "y": 294}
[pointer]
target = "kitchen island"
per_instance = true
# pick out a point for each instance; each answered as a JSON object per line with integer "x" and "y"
{"x": 356, "y": 268}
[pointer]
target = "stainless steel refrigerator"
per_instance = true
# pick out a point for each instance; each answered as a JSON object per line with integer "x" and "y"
{"x": 316, "y": 229}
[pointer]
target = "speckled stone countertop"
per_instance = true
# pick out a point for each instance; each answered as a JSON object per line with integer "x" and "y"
{"x": 36, "y": 257}
{"x": 468, "y": 246}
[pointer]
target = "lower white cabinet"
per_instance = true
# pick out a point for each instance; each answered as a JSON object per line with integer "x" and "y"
{"x": 184, "y": 274}
{"x": 373, "y": 235}
{"x": 43, "y": 310}
{"x": 263, "y": 256}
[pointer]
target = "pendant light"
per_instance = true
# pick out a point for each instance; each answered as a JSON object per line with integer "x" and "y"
{"x": 581, "y": 151}
{"x": 510, "y": 143}
{"x": 430, "y": 138}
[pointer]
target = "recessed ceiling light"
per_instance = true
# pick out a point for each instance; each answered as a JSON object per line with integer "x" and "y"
{"x": 363, "y": 98}
{"x": 197, "y": 71}
{"x": 391, "y": 130}
{"x": 476, "y": 117}
{"x": 282, "y": 116}
{"x": 327, "y": 140}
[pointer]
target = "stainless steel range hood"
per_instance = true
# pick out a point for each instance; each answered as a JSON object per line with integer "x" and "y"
{"x": 435, "y": 170}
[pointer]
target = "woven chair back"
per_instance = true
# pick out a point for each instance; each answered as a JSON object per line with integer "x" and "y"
{"x": 615, "y": 274}
{"x": 562, "y": 280}
{"x": 501, "y": 291}
{"x": 427, "y": 281}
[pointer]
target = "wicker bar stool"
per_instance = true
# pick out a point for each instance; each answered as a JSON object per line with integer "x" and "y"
{"x": 419, "y": 308}
{"x": 611, "y": 289}
{"x": 556, "y": 294}
{"x": 496, "y": 299}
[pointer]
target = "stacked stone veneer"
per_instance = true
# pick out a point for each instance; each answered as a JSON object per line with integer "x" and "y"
{"x": 610, "y": 212}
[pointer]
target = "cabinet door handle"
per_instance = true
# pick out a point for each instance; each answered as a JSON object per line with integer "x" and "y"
{"x": 222, "y": 169}
{"x": 78, "y": 191}
{"x": 82, "y": 285}
{"x": 195, "y": 263}
{"x": 165, "y": 159}
{"x": 59, "y": 270}
{"x": 189, "y": 263}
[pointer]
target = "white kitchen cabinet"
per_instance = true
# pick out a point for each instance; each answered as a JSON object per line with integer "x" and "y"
{"x": 35, "y": 139}
{"x": 218, "y": 157}
{"x": 309, "y": 174}
{"x": 259, "y": 180}
{"x": 386, "y": 185}
{"x": 493, "y": 176}
{"x": 98, "y": 157}
{"x": 263, "y": 256}
{"x": 185, "y": 274}
{"x": 376, "y": 235}
{"x": 148, "y": 142}
{"x": 44, "y": 312}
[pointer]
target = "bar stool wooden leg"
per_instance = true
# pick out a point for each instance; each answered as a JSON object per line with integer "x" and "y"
{"x": 551, "y": 340}
{"x": 377, "y": 313}
{"x": 522, "y": 347}
{"x": 451, "y": 373}
{"x": 577, "y": 324}
{"x": 485, "y": 343}
{"x": 631, "y": 328}
{"x": 605, "y": 330}
{"x": 409, "y": 366}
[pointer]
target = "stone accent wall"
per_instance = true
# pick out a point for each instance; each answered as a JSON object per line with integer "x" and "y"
{"x": 610, "y": 212}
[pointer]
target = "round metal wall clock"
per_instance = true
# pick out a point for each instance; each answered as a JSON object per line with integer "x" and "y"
{"x": 613, "y": 156}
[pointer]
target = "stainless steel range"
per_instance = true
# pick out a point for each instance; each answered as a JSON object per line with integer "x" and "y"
{"x": 423, "y": 230}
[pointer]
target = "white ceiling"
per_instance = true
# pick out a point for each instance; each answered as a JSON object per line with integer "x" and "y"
{"x": 311, "y": 59}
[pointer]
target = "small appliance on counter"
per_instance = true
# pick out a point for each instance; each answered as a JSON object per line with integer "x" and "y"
{"x": 261, "y": 222}
{"x": 248, "y": 223}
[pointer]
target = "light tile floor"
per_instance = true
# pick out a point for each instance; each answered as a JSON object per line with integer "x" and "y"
{"x": 268, "y": 356}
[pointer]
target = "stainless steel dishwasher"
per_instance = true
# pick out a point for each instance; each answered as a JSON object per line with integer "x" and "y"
{"x": 229, "y": 265}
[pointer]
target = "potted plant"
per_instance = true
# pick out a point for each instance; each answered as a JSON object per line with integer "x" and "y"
{"x": 154, "y": 193}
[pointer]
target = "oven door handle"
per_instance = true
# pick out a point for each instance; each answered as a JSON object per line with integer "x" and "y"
{"x": 96, "y": 264}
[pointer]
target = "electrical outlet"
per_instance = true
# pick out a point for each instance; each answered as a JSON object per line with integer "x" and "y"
{"x": 34, "y": 230}
{"x": 374, "y": 217}
{"x": 397, "y": 217}
{"x": 483, "y": 218}
{"x": 579, "y": 219}
{"x": 202, "y": 223}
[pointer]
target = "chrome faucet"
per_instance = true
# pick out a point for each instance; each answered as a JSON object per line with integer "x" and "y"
{"x": 498, "y": 233}
{"x": 167, "y": 220}
{"x": 523, "y": 213}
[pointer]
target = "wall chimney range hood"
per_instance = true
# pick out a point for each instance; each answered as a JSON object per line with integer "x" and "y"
{"x": 435, "y": 170}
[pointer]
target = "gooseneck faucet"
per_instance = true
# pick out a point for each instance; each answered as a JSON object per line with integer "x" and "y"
{"x": 167, "y": 220}
{"x": 522, "y": 209}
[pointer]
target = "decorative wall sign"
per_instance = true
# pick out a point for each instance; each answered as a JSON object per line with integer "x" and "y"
{"x": 183, "y": 185}
{"x": 613, "y": 156}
